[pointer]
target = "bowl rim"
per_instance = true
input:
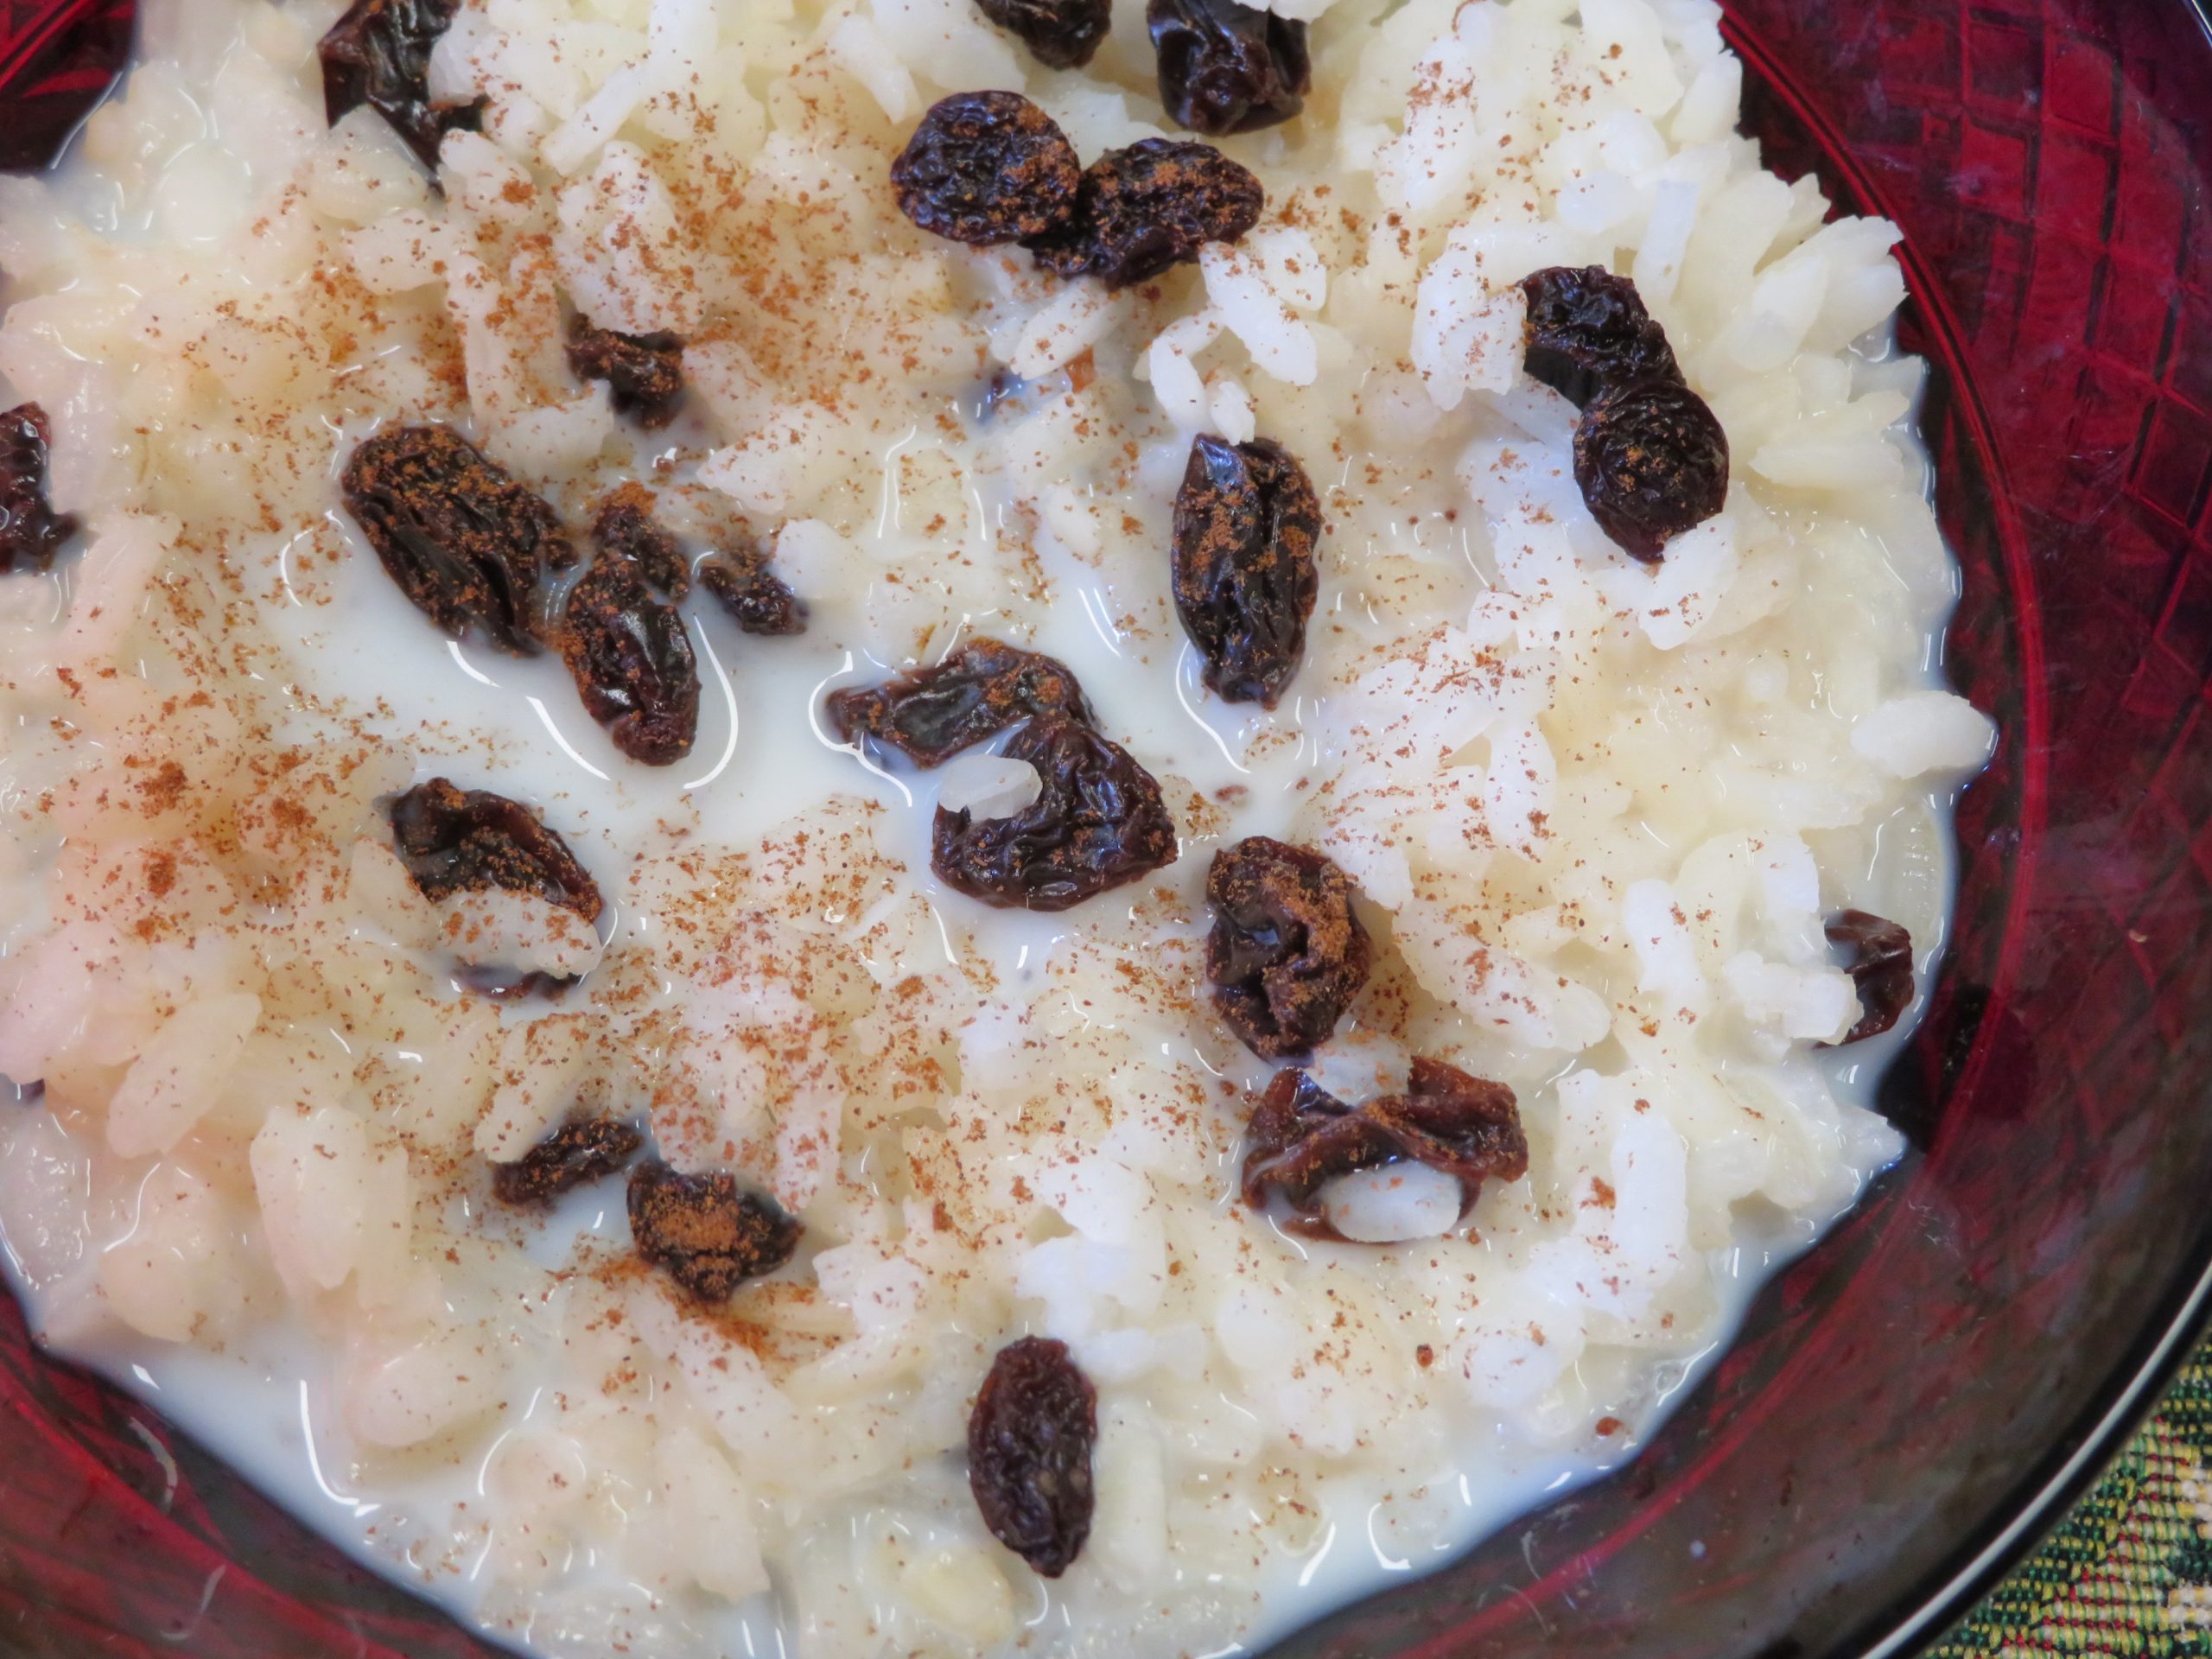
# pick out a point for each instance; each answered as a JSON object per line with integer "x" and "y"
{"x": 2132, "y": 1393}
{"x": 2047, "y": 1493}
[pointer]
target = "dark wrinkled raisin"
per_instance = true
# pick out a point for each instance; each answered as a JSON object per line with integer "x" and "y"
{"x": 633, "y": 663}
{"x": 1143, "y": 209}
{"x": 1651, "y": 461}
{"x": 581, "y": 1151}
{"x": 1587, "y": 330}
{"x": 1247, "y": 525}
{"x": 1302, "y": 1137}
{"x": 1029, "y": 1441}
{"x": 1059, "y": 33}
{"x": 31, "y": 533}
{"x": 1287, "y": 955}
{"x": 644, "y": 371}
{"x": 757, "y": 598}
{"x": 1097, "y": 823}
{"x": 467, "y": 545}
{"x": 379, "y": 54}
{"x": 1881, "y": 963}
{"x": 454, "y": 841}
{"x": 986, "y": 168}
{"x": 933, "y": 714}
{"x": 705, "y": 1233}
{"x": 1225, "y": 68}
{"x": 625, "y": 529}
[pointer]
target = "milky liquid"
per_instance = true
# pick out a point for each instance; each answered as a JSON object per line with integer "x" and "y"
{"x": 267, "y": 1405}
{"x": 762, "y": 752}
{"x": 264, "y": 1409}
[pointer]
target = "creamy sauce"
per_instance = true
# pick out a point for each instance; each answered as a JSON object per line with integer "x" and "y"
{"x": 267, "y": 1413}
{"x": 269, "y": 1402}
{"x": 762, "y": 754}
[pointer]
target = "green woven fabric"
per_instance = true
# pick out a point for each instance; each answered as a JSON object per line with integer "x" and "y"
{"x": 2129, "y": 1572}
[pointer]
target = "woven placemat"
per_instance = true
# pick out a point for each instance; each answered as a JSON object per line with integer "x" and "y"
{"x": 2131, "y": 1570}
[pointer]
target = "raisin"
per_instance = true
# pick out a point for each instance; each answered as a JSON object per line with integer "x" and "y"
{"x": 705, "y": 1233}
{"x": 1651, "y": 461}
{"x": 379, "y": 54}
{"x": 933, "y": 714}
{"x": 1881, "y": 963}
{"x": 1225, "y": 67}
{"x": 1098, "y": 823}
{"x": 580, "y": 1151}
{"x": 644, "y": 371}
{"x": 1247, "y": 523}
{"x": 1587, "y": 330}
{"x": 31, "y": 533}
{"x": 469, "y": 547}
{"x": 1302, "y": 1137}
{"x": 987, "y": 168}
{"x": 1287, "y": 955}
{"x": 1029, "y": 1441}
{"x": 1059, "y": 33}
{"x": 754, "y": 595}
{"x": 625, "y": 529}
{"x": 453, "y": 841}
{"x": 1148, "y": 207}
{"x": 632, "y": 660}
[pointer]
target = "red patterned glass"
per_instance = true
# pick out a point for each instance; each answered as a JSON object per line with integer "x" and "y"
{"x": 1911, "y": 1402}
{"x": 55, "y": 61}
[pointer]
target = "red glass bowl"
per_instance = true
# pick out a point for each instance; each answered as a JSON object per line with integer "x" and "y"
{"x": 1913, "y": 1403}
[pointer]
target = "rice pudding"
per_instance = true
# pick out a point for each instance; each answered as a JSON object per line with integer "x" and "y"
{"x": 836, "y": 829}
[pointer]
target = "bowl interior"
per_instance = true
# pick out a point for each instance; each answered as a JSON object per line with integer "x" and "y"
{"x": 1911, "y": 1403}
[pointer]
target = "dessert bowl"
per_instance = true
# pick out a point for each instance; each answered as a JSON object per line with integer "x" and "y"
{"x": 1909, "y": 1404}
